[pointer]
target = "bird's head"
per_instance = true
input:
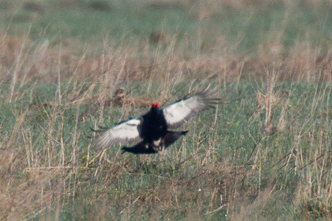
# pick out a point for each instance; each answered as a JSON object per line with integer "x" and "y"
{"x": 155, "y": 106}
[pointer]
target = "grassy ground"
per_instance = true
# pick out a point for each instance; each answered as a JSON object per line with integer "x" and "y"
{"x": 263, "y": 153}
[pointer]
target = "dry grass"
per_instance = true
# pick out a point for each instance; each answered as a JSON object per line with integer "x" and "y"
{"x": 50, "y": 177}
{"x": 264, "y": 153}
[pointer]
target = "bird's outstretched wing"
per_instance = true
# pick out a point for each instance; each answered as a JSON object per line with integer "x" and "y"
{"x": 126, "y": 132}
{"x": 178, "y": 113}
{"x": 172, "y": 136}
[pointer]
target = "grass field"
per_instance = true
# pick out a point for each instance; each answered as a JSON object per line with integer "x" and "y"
{"x": 263, "y": 154}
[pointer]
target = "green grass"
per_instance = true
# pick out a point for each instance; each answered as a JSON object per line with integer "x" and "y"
{"x": 182, "y": 176}
{"x": 246, "y": 28}
{"x": 264, "y": 153}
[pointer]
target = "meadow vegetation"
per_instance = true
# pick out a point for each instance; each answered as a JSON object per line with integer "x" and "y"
{"x": 263, "y": 154}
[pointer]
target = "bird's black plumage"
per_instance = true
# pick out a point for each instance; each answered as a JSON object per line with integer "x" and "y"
{"x": 147, "y": 148}
{"x": 151, "y": 131}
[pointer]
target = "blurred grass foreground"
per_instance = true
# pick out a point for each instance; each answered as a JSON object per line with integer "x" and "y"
{"x": 263, "y": 154}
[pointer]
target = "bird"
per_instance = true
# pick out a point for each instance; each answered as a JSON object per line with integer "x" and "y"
{"x": 151, "y": 132}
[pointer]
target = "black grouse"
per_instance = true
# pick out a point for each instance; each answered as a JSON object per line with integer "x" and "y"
{"x": 151, "y": 131}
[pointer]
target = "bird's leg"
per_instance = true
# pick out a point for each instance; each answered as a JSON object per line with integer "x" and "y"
{"x": 157, "y": 145}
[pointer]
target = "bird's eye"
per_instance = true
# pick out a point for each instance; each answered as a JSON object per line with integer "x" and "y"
{"x": 153, "y": 105}
{"x": 157, "y": 105}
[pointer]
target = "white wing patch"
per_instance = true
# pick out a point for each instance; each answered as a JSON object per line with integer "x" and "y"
{"x": 126, "y": 132}
{"x": 180, "y": 112}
